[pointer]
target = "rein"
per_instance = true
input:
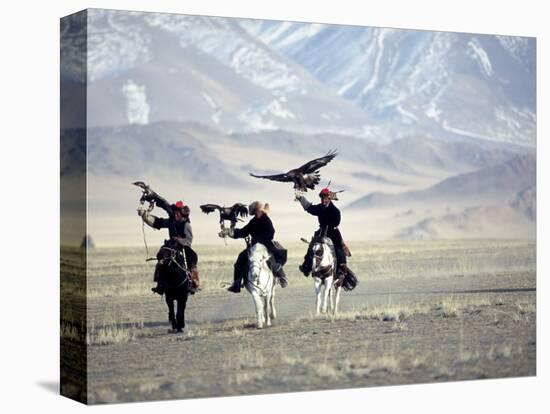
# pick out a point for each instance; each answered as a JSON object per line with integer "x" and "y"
{"x": 263, "y": 291}
{"x": 149, "y": 209}
{"x": 322, "y": 272}
{"x": 172, "y": 259}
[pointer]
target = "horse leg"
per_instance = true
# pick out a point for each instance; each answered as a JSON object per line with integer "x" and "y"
{"x": 267, "y": 309}
{"x": 272, "y": 310}
{"x": 318, "y": 282}
{"x": 171, "y": 315}
{"x": 328, "y": 283}
{"x": 337, "y": 301}
{"x": 331, "y": 298}
{"x": 180, "y": 316}
{"x": 260, "y": 315}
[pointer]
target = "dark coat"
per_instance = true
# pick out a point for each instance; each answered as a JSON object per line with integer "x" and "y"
{"x": 175, "y": 228}
{"x": 329, "y": 219}
{"x": 260, "y": 230}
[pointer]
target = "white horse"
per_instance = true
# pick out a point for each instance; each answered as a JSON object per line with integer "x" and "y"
{"x": 323, "y": 272}
{"x": 261, "y": 284}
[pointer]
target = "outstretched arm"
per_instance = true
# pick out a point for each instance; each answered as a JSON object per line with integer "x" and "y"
{"x": 162, "y": 203}
{"x": 241, "y": 233}
{"x": 152, "y": 221}
{"x": 308, "y": 206}
{"x": 304, "y": 202}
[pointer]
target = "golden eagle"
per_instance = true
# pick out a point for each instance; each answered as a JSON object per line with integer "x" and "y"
{"x": 227, "y": 213}
{"x": 304, "y": 177}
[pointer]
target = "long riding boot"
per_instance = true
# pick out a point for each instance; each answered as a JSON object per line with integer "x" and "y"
{"x": 278, "y": 272}
{"x": 158, "y": 288}
{"x": 305, "y": 267}
{"x": 342, "y": 269}
{"x": 341, "y": 273}
{"x": 240, "y": 269}
{"x": 236, "y": 286}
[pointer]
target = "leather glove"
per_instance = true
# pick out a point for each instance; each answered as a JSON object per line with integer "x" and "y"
{"x": 303, "y": 201}
{"x": 227, "y": 232}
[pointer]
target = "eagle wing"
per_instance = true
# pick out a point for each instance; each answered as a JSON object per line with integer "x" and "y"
{"x": 239, "y": 209}
{"x": 141, "y": 185}
{"x": 277, "y": 177}
{"x": 209, "y": 208}
{"x": 313, "y": 165}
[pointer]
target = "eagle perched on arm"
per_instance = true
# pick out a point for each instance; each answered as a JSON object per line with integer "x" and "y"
{"x": 304, "y": 177}
{"x": 227, "y": 213}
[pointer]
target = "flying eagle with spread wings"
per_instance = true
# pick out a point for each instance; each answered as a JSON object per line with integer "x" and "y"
{"x": 227, "y": 213}
{"x": 304, "y": 177}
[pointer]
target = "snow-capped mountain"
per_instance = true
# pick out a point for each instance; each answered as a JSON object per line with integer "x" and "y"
{"x": 440, "y": 83}
{"x": 149, "y": 67}
{"x": 242, "y": 75}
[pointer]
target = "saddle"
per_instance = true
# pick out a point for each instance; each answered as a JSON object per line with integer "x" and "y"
{"x": 279, "y": 253}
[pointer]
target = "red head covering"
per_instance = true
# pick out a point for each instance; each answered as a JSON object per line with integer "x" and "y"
{"x": 325, "y": 192}
{"x": 180, "y": 204}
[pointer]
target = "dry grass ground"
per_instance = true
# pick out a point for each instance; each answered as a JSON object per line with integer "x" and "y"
{"x": 423, "y": 312}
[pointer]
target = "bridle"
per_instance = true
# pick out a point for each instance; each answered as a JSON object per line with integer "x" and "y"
{"x": 172, "y": 259}
{"x": 263, "y": 290}
{"x": 321, "y": 272}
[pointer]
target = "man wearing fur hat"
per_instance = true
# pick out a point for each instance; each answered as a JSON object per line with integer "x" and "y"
{"x": 329, "y": 220}
{"x": 261, "y": 230}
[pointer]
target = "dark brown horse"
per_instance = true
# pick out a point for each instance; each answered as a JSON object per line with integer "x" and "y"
{"x": 174, "y": 279}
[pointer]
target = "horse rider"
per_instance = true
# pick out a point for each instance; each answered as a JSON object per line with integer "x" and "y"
{"x": 261, "y": 230}
{"x": 329, "y": 219}
{"x": 179, "y": 228}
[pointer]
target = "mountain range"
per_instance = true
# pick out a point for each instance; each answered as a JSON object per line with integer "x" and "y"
{"x": 242, "y": 75}
{"x": 435, "y": 131}
{"x": 493, "y": 184}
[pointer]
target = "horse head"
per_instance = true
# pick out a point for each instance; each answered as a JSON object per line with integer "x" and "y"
{"x": 324, "y": 259}
{"x": 172, "y": 266}
{"x": 257, "y": 260}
